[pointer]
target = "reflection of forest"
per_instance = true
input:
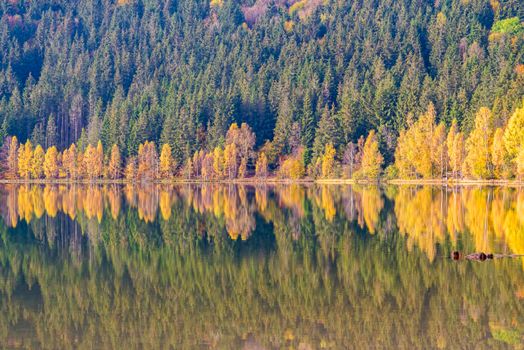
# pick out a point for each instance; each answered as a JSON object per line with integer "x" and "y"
{"x": 314, "y": 267}
{"x": 427, "y": 216}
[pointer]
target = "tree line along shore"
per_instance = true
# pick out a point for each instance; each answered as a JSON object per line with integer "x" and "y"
{"x": 426, "y": 151}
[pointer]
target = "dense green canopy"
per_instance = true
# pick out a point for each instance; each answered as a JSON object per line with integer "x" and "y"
{"x": 180, "y": 71}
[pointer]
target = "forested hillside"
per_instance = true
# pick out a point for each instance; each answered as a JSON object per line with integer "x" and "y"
{"x": 302, "y": 74}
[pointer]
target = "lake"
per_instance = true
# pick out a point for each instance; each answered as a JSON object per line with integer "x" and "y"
{"x": 260, "y": 267}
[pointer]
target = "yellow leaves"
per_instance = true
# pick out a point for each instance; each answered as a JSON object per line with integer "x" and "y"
{"x": 25, "y": 156}
{"x": 37, "y": 163}
{"x": 207, "y": 167}
{"x": 328, "y": 161}
{"x": 12, "y": 159}
{"x": 230, "y": 160}
{"x": 218, "y": 162}
{"x": 495, "y": 5}
{"x": 519, "y": 161}
{"x": 216, "y": 3}
{"x": 130, "y": 170}
{"x": 166, "y": 162}
{"x": 114, "y": 167}
{"x": 147, "y": 167}
{"x": 420, "y": 147}
{"x": 293, "y": 167}
{"x": 514, "y": 133}
{"x": 441, "y": 20}
{"x": 498, "y": 153}
{"x": 288, "y": 26}
{"x": 261, "y": 167}
{"x": 51, "y": 163}
{"x": 478, "y": 145}
{"x": 297, "y": 6}
{"x": 519, "y": 69}
{"x": 372, "y": 160}
{"x": 457, "y": 154}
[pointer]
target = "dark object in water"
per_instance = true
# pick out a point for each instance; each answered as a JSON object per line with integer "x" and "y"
{"x": 456, "y": 255}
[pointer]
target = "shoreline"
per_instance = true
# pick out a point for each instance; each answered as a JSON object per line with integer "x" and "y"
{"x": 276, "y": 181}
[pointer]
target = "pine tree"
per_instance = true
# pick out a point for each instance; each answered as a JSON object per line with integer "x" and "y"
{"x": 51, "y": 134}
{"x": 328, "y": 131}
{"x": 308, "y": 128}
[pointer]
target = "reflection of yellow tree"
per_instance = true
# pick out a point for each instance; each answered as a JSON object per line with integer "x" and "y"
{"x": 455, "y": 215}
{"x": 51, "y": 200}
{"x": 114, "y": 199}
{"x": 372, "y": 204}
{"x": 477, "y": 202}
{"x": 25, "y": 205}
{"x": 165, "y": 204}
{"x": 420, "y": 216}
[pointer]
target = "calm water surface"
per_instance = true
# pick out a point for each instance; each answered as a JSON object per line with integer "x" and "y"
{"x": 246, "y": 267}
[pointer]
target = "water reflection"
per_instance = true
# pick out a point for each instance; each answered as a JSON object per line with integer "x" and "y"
{"x": 254, "y": 267}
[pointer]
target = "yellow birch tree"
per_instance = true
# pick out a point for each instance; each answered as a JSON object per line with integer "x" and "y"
{"x": 37, "y": 163}
{"x": 51, "y": 163}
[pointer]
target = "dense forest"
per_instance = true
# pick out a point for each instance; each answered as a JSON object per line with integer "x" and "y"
{"x": 323, "y": 88}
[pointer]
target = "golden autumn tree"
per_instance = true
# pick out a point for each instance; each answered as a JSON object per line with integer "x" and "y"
{"x": 242, "y": 169}
{"x": 261, "y": 167}
{"x": 457, "y": 154}
{"x": 70, "y": 162}
{"x": 147, "y": 168}
{"x": 292, "y": 168}
{"x": 81, "y": 170}
{"x": 424, "y": 152}
{"x": 207, "y": 167}
{"x": 218, "y": 162}
{"x": 404, "y": 155}
{"x": 519, "y": 162}
{"x": 231, "y": 161}
{"x": 514, "y": 139}
{"x": 328, "y": 161}
{"x": 166, "y": 162}
{"x": 498, "y": 154}
{"x": 12, "y": 159}
{"x": 420, "y": 150}
{"x": 450, "y": 140}
{"x": 478, "y": 145}
{"x": 439, "y": 152}
{"x": 114, "y": 167}
{"x": 37, "y": 162}
{"x": 51, "y": 163}
{"x": 99, "y": 160}
{"x": 89, "y": 162}
{"x": 131, "y": 169}
{"x": 372, "y": 159}
{"x": 25, "y": 158}
{"x": 514, "y": 133}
